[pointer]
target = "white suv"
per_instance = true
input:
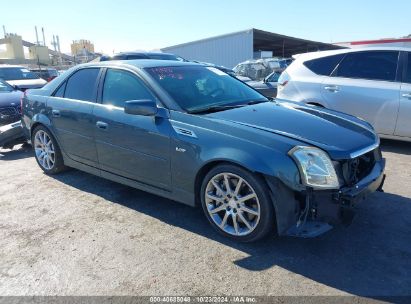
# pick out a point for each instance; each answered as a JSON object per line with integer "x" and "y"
{"x": 373, "y": 84}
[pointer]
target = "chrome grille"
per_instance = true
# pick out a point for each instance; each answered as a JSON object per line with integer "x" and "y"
{"x": 9, "y": 111}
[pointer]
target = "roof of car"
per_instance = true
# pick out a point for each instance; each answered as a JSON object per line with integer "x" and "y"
{"x": 313, "y": 55}
{"x": 141, "y": 63}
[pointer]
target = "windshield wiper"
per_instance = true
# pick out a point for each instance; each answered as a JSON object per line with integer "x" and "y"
{"x": 217, "y": 108}
{"x": 211, "y": 109}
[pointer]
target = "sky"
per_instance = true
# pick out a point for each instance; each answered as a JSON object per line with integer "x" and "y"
{"x": 126, "y": 25}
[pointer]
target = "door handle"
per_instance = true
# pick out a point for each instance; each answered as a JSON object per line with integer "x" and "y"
{"x": 407, "y": 95}
{"x": 332, "y": 88}
{"x": 55, "y": 113}
{"x": 102, "y": 125}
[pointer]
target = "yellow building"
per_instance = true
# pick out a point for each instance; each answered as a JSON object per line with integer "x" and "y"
{"x": 14, "y": 47}
{"x": 40, "y": 54}
{"x": 78, "y": 46}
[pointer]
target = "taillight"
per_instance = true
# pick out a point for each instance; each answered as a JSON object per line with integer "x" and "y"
{"x": 283, "y": 80}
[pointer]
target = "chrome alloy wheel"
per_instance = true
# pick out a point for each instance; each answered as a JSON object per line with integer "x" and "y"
{"x": 44, "y": 150}
{"x": 232, "y": 204}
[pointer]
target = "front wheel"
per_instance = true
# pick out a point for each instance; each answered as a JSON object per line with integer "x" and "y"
{"x": 47, "y": 151}
{"x": 237, "y": 204}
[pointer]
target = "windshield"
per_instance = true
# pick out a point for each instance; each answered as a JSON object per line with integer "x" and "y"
{"x": 18, "y": 73}
{"x": 5, "y": 87}
{"x": 198, "y": 87}
{"x": 273, "y": 77}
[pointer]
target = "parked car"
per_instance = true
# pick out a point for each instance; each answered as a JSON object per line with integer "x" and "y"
{"x": 243, "y": 78}
{"x": 9, "y": 103}
{"x": 268, "y": 86}
{"x": 259, "y": 69}
{"x": 142, "y": 55}
{"x": 221, "y": 68}
{"x": 20, "y": 77}
{"x": 277, "y": 64}
{"x": 371, "y": 83}
{"x": 48, "y": 74}
{"x": 256, "y": 70}
{"x": 201, "y": 137}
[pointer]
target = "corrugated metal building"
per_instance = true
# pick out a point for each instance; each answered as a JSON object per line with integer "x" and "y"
{"x": 230, "y": 49}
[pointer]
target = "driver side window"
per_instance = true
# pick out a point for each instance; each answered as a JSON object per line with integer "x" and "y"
{"x": 121, "y": 86}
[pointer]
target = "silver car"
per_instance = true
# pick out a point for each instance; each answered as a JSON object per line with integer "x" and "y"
{"x": 371, "y": 83}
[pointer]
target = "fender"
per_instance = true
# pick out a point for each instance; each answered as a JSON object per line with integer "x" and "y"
{"x": 275, "y": 173}
{"x": 45, "y": 121}
{"x": 278, "y": 166}
{"x": 40, "y": 118}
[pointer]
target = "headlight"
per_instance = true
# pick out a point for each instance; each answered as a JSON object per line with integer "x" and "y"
{"x": 315, "y": 167}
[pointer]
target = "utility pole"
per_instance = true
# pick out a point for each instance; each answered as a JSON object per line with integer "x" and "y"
{"x": 37, "y": 35}
{"x": 44, "y": 38}
{"x": 58, "y": 49}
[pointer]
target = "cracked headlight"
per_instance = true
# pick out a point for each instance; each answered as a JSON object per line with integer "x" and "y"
{"x": 315, "y": 167}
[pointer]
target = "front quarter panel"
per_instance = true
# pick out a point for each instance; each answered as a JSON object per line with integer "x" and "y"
{"x": 204, "y": 147}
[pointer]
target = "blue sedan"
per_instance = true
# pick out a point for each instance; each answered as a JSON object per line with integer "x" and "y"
{"x": 196, "y": 135}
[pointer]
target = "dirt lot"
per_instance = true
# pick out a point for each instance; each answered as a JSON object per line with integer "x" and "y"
{"x": 76, "y": 234}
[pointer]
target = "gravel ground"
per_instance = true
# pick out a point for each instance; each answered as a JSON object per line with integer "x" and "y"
{"x": 77, "y": 234}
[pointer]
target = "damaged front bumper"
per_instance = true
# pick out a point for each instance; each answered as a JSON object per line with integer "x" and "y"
{"x": 11, "y": 134}
{"x": 317, "y": 211}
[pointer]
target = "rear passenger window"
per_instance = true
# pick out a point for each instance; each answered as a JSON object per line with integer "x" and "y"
{"x": 82, "y": 85}
{"x": 121, "y": 86}
{"x": 408, "y": 75}
{"x": 373, "y": 65}
{"x": 324, "y": 65}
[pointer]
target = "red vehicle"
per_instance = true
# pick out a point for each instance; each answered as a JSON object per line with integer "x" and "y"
{"x": 48, "y": 74}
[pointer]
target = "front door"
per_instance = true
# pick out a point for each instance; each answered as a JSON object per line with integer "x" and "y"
{"x": 364, "y": 84}
{"x": 132, "y": 146}
{"x": 404, "y": 114}
{"x": 71, "y": 114}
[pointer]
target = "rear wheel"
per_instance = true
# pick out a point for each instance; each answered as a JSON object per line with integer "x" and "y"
{"x": 47, "y": 151}
{"x": 237, "y": 204}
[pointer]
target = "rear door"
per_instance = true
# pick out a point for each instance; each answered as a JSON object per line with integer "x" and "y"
{"x": 404, "y": 114}
{"x": 366, "y": 84}
{"x": 132, "y": 146}
{"x": 70, "y": 111}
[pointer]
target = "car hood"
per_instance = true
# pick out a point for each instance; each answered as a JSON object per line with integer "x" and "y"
{"x": 7, "y": 99}
{"x": 342, "y": 136}
{"x": 28, "y": 83}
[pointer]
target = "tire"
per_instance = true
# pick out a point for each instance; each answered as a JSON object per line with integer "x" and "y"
{"x": 245, "y": 214}
{"x": 46, "y": 151}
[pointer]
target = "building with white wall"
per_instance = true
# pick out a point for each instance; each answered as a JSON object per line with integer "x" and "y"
{"x": 230, "y": 49}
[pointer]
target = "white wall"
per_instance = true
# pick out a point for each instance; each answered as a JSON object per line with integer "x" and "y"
{"x": 227, "y": 50}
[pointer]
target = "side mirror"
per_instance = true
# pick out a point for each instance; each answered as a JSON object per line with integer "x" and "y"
{"x": 15, "y": 87}
{"x": 144, "y": 107}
